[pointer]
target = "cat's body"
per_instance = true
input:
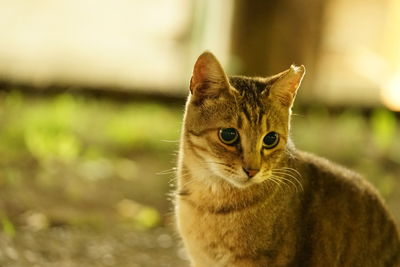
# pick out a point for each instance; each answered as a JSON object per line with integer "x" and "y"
{"x": 258, "y": 201}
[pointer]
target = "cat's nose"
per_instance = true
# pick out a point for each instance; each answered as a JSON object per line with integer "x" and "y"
{"x": 250, "y": 172}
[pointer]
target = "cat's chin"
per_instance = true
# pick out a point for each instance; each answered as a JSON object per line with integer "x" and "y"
{"x": 236, "y": 181}
{"x": 243, "y": 183}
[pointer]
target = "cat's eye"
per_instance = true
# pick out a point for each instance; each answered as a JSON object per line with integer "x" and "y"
{"x": 228, "y": 136}
{"x": 271, "y": 140}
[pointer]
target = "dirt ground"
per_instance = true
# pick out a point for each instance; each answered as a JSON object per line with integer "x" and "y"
{"x": 66, "y": 247}
{"x": 95, "y": 225}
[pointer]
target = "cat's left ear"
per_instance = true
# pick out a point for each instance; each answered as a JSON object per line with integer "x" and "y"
{"x": 284, "y": 89}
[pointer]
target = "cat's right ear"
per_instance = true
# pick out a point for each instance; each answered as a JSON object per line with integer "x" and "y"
{"x": 209, "y": 78}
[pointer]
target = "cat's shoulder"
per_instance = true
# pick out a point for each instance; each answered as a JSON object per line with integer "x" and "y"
{"x": 317, "y": 163}
{"x": 321, "y": 172}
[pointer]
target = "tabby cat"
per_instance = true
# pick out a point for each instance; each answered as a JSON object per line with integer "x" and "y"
{"x": 247, "y": 197}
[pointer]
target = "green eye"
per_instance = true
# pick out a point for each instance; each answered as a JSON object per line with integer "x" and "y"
{"x": 228, "y": 136}
{"x": 271, "y": 140}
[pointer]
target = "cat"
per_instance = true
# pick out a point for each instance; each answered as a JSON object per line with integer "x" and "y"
{"x": 247, "y": 197}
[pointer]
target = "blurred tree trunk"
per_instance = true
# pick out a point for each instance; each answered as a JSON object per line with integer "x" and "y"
{"x": 269, "y": 35}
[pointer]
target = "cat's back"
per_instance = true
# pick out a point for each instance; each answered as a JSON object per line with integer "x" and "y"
{"x": 344, "y": 219}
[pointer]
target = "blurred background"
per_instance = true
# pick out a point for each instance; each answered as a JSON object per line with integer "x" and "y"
{"x": 92, "y": 95}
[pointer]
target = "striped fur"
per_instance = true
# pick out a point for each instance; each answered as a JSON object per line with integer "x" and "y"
{"x": 298, "y": 210}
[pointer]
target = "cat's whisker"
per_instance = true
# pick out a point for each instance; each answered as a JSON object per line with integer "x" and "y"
{"x": 282, "y": 177}
{"x": 296, "y": 187}
{"x": 215, "y": 162}
{"x": 169, "y": 171}
{"x": 170, "y": 141}
{"x": 187, "y": 182}
{"x": 189, "y": 176}
{"x": 289, "y": 182}
{"x": 285, "y": 182}
{"x": 275, "y": 181}
{"x": 286, "y": 187}
{"x": 290, "y": 175}
{"x": 291, "y": 170}
{"x": 296, "y": 179}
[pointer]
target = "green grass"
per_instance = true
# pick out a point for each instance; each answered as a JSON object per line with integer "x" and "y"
{"x": 69, "y": 127}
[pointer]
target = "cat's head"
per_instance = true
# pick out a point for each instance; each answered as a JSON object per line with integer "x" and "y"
{"x": 236, "y": 128}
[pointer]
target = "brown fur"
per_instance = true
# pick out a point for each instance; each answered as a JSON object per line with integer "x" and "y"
{"x": 298, "y": 210}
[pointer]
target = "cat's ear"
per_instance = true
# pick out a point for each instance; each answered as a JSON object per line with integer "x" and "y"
{"x": 284, "y": 89}
{"x": 209, "y": 78}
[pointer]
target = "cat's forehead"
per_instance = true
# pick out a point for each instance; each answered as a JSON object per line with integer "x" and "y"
{"x": 249, "y": 86}
{"x": 247, "y": 105}
{"x": 252, "y": 92}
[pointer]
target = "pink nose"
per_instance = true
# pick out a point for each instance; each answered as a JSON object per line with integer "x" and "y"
{"x": 250, "y": 172}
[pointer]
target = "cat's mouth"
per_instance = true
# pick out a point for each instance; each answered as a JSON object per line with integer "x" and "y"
{"x": 238, "y": 177}
{"x": 243, "y": 180}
